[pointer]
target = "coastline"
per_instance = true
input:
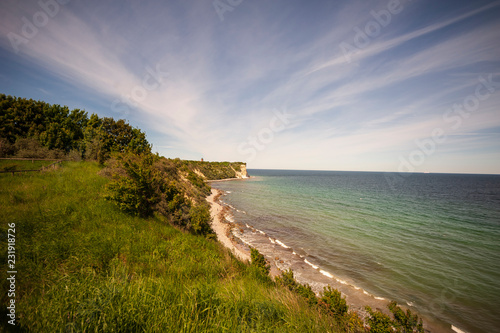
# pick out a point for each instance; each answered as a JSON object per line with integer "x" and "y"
{"x": 238, "y": 238}
{"x": 226, "y": 179}
{"x": 222, "y": 229}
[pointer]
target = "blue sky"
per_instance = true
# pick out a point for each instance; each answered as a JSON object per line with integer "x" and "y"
{"x": 331, "y": 85}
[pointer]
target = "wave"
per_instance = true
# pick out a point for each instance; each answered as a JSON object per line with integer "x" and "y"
{"x": 244, "y": 241}
{"x": 325, "y": 273}
{"x": 309, "y": 263}
{"x": 282, "y": 244}
{"x": 458, "y": 330}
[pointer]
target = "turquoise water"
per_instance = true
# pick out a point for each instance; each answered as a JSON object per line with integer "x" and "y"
{"x": 431, "y": 241}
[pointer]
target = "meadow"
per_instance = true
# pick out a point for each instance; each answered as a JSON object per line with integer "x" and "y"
{"x": 83, "y": 265}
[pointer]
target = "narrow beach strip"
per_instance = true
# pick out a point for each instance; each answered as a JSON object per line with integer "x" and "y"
{"x": 222, "y": 229}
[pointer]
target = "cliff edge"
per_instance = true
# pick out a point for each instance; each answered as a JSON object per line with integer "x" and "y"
{"x": 217, "y": 170}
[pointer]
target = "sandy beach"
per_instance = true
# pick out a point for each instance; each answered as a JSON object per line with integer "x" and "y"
{"x": 222, "y": 228}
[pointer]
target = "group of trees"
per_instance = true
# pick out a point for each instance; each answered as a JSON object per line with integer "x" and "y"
{"x": 30, "y": 128}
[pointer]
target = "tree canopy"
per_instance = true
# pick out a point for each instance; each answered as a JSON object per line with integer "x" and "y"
{"x": 56, "y": 128}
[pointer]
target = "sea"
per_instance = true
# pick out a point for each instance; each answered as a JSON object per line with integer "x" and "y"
{"x": 430, "y": 242}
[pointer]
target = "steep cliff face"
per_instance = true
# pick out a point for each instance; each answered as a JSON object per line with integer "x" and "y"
{"x": 243, "y": 171}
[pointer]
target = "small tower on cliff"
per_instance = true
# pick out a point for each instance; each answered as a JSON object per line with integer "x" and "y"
{"x": 202, "y": 159}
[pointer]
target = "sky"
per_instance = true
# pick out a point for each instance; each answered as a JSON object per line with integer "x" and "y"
{"x": 392, "y": 85}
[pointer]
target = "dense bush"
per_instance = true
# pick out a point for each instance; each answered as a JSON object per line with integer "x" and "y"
{"x": 406, "y": 322}
{"x": 402, "y": 323}
{"x": 145, "y": 184}
{"x": 141, "y": 189}
{"x": 379, "y": 322}
{"x": 332, "y": 301}
{"x": 259, "y": 262}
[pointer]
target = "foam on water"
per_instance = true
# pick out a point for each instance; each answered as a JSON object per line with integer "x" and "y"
{"x": 309, "y": 263}
{"x": 282, "y": 244}
{"x": 327, "y": 274}
{"x": 458, "y": 330}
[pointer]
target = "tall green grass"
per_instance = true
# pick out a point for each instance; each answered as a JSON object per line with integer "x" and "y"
{"x": 85, "y": 266}
{"x": 13, "y": 165}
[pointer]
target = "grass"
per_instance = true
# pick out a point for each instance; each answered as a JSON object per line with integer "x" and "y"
{"x": 13, "y": 165}
{"x": 85, "y": 266}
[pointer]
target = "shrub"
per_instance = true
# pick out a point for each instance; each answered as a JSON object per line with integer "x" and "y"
{"x": 379, "y": 322}
{"x": 287, "y": 280}
{"x": 332, "y": 301}
{"x": 200, "y": 220}
{"x": 6, "y": 148}
{"x": 259, "y": 262}
{"x": 30, "y": 148}
{"x": 140, "y": 190}
{"x": 406, "y": 322}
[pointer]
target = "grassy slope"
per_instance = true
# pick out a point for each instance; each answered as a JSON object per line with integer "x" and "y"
{"x": 11, "y": 165}
{"x": 83, "y": 265}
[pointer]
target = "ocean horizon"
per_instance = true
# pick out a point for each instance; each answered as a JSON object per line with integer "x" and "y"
{"x": 428, "y": 241}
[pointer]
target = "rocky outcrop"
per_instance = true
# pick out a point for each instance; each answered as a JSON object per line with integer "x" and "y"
{"x": 243, "y": 171}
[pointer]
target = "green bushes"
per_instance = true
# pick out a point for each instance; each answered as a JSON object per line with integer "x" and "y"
{"x": 332, "y": 302}
{"x": 402, "y": 323}
{"x": 200, "y": 220}
{"x": 143, "y": 185}
{"x": 406, "y": 322}
{"x": 286, "y": 279}
{"x": 260, "y": 264}
{"x": 140, "y": 189}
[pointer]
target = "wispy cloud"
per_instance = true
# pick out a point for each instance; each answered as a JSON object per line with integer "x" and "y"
{"x": 226, "y": 78}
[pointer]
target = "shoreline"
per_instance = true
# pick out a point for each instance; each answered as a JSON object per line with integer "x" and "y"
{"x": 239, "y": 238}
{"x": 304, "y": 272}
{"x": 226, "y": 179}
{"x": 223, "y": 230}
